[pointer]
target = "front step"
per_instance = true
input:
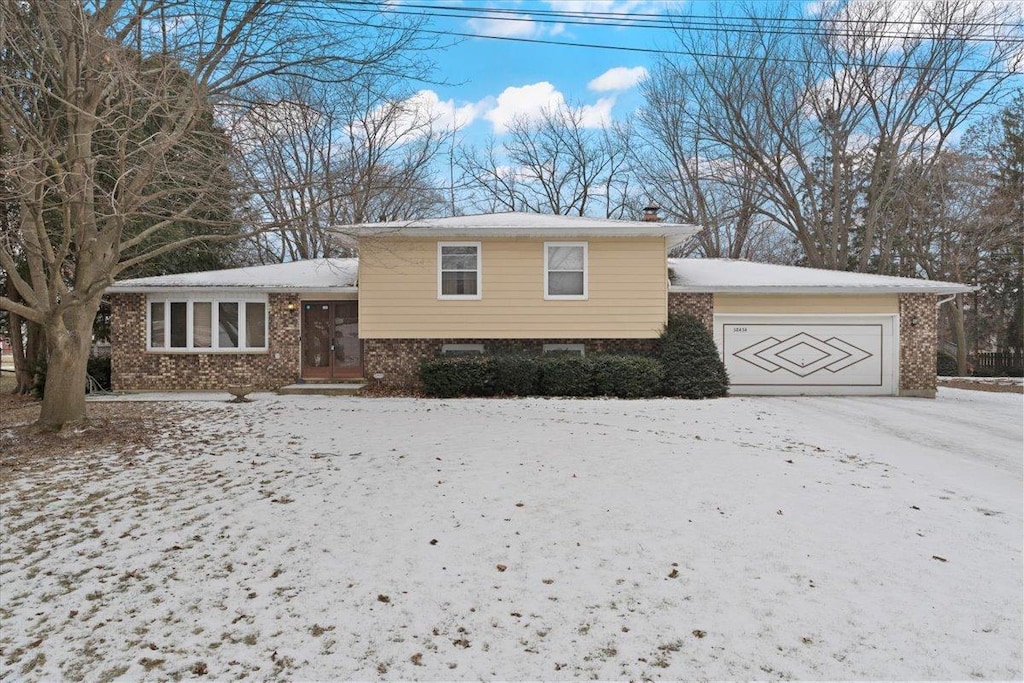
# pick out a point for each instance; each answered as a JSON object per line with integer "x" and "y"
{"x": 334, "y": 389}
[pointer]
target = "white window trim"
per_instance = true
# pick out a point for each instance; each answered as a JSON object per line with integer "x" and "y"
{"x": 555, "y": 348}
{"x": 586, "y": 273}
{"x": 214, "y": 299}
{"x": 464, "y": 348}
{"x": 479, "y": 272}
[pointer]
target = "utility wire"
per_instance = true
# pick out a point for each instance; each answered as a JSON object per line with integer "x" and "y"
{"x": 722, "y": 27}
{"x": 633, "y": 18}
{"x": 627, "y": 48}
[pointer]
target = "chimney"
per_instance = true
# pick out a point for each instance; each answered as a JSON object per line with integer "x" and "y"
{"x": 651, "y": 213}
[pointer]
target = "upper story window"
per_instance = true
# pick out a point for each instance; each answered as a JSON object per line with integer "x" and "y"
{"x": 565, "y": 270}
{"x": 458, "y": 270}
{"x": 201, "y": 323}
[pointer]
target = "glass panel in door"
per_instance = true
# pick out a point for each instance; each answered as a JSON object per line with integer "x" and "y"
{"x": 348, "y": 358}
{"x": 316, "y": 340}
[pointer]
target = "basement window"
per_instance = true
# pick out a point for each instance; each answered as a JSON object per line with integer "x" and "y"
{"x": 569, "y": 349}
{"x": 206, "y": 324}
{"x": 462, "y": 349}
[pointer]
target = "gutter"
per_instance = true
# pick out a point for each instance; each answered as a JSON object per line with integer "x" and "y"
{"x": 768, "y": 290}
{"x": 231, "y": 288}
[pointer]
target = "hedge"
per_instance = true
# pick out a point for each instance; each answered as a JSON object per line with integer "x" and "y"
{"x": 553, "y": 375}
{"x": 945, "y": 364}
{"x": 457, "y": 376}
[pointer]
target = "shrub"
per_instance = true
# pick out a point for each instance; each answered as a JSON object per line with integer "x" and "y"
{"x": 690, "y": 360}
{"x": 456, "y": 376}
{"x": 99, "y": 369}
{"x": 515, "y": 374}
{"x": 945, "y": 364}
{"x": 566, "y": 375}
{"x": 39, "y": 377}
{"x": 626, "y": 376}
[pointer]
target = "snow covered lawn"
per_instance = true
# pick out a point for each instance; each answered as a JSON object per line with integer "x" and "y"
{"x": 333, "y": 538}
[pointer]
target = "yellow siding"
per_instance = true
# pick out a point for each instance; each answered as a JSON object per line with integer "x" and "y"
{"x": 832, "y": 304}
{"x": 628, "y": 292}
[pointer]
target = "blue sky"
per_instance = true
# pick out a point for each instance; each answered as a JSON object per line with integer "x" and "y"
{"x": 489, "y": 81}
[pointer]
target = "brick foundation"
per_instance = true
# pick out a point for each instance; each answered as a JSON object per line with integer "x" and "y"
{"x": 918, "y": 323}
{"x": 135, "y": 368}
{"x": 399, "y": 359}
{"x": 701, "y": 306}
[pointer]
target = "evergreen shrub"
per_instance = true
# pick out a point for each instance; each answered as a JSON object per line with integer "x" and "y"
{"x": 690, "y": 360}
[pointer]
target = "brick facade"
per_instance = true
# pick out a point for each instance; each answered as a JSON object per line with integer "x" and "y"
{"x": 918, "y": 335}
{"x": 699, "y": 305}
{"x": 399, "y": 359}
{"x": 135, "y": 368}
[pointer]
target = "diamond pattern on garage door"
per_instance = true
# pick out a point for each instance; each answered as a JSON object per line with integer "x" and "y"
{"x": 803, "y": 354}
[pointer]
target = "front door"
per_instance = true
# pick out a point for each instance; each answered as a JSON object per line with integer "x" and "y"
{"x": 330, "y": 340}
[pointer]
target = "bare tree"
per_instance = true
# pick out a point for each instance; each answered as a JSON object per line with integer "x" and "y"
{"x": 694, "y": 178}
{"x": 823, "y": 117}
{"x": 318, "y": 155}
{"x": 103, "y": 106}
{"x": 553, "y": 163}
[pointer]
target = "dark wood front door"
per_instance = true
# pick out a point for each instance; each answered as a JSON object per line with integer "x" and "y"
{"x": 330, "y": 340}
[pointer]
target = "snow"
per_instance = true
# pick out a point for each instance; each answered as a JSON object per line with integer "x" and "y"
{"x": 728, "y": 275}
{"x": 293, "y": 538}
{"x": 517, "y": 224}
{"x": 337, "y": 274}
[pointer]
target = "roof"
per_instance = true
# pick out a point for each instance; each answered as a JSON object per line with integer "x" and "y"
{"x": 685, "y": 275}
{"x": 747, "y": 277}
{"x": 518, "y": 224}
{"x": 314, "y": 275}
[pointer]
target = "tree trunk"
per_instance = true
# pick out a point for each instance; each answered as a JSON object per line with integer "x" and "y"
{"x": 68, "y": 339}
{"x": 960, "y": 333}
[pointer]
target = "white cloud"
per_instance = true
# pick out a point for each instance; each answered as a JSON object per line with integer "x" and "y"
{"x": 618, "y": 6}
{"x": 618, "y": 78}
{"x": 599, "y": 114}
{"x": 526, "y": 101}
{"x": 428, "y": 105}
{"x": 530, "y": 101}
{"x": 511, "y": 26}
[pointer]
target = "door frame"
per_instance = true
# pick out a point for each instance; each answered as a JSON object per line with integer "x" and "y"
{"x": 331, "y": 372}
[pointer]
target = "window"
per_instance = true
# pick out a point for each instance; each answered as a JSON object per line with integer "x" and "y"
{"x": 570, "y": 349}
{"x": 458, "y": 270}
{"x": 462, "y": 349}
{"x": 183, "y": 324}
{"x": 565, "y": 270}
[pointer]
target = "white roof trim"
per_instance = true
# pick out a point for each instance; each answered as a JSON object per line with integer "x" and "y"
{"x": 518, "y": 224}
{"x": 117, "y": 289}
{"x": 768, "y": 290}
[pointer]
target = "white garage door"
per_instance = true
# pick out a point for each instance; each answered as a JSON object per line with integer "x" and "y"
{"x": 808, "y": 354}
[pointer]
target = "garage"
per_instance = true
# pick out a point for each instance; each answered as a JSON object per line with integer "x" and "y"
{"x": 787, "y": 330}
{"x": 814, "y": 354}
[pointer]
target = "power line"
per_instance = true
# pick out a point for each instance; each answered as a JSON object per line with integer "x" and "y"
{"x": 633, "y": 18}
{"x": 721, "y": 27}
{"x": 625, "y": 48}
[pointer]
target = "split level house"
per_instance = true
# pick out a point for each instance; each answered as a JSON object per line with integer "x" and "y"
{"x": 517, "y": 281}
